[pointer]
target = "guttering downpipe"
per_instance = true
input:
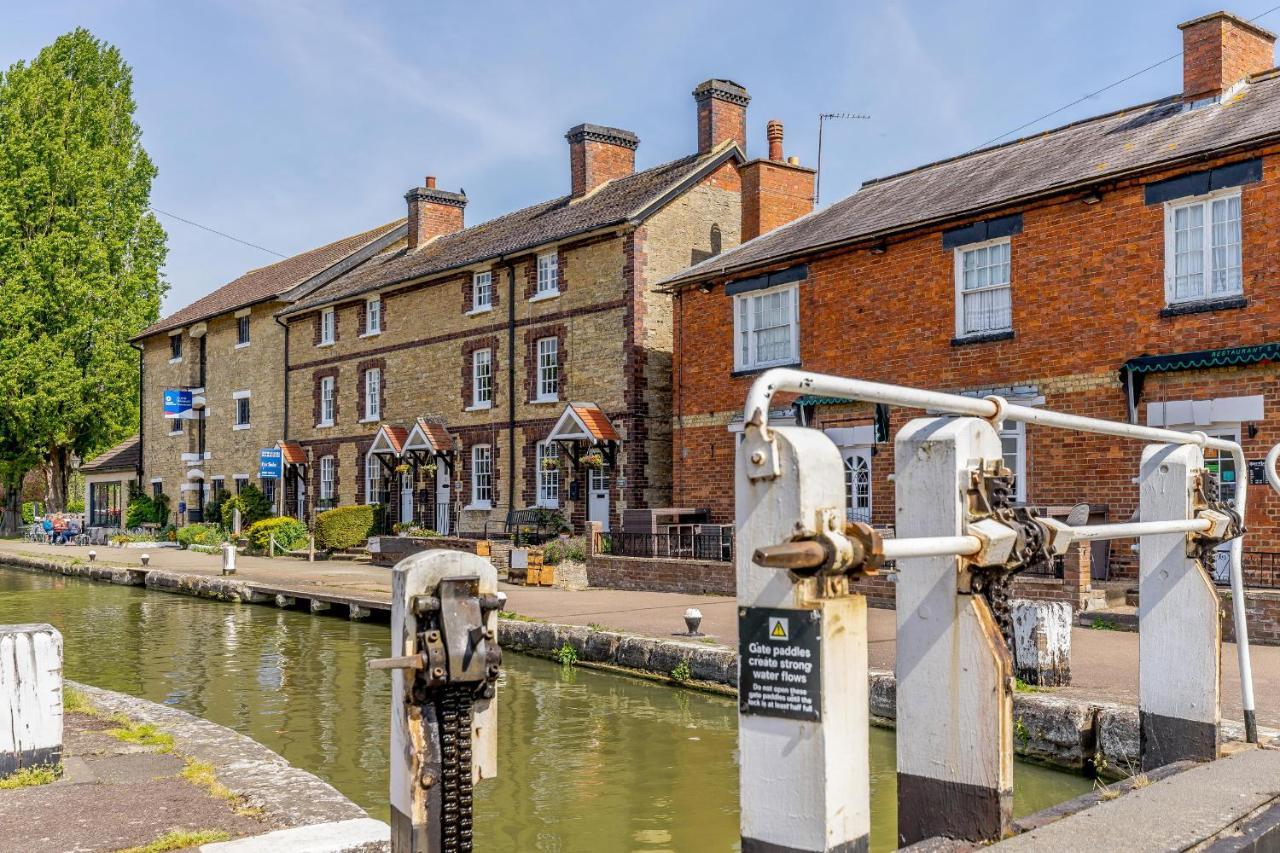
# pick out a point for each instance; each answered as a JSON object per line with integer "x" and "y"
{"x": 511, "y": 383}
{"x": 284, "y": 437}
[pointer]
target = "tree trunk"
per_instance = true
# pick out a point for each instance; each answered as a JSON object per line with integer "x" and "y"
{"x": 59, "y": 471}
{"x": 11, "y": 515}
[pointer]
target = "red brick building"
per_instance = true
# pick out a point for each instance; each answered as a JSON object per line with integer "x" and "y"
{"x": 1124, "y": 267}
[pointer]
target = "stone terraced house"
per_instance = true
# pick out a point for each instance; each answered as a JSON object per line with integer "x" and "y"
{"x": 226, "y": 350}
{"x": 1125, "y": 266}
{"x": 525, "y": 361}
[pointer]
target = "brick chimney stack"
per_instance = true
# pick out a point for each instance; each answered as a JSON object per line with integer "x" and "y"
{"x": 598, "y": 154}
{"x": 433, "y": 212}
{"x": 722, "y": 114}
{"x": 774, "y": 132}
{"x": 1220, "y": 50}
{"x": 774, "y": 191}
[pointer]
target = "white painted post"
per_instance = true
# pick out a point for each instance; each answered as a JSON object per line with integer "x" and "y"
{"x": 955, "y": 676}
{"x": 1180, "y": 639}
{"x": 1042, "y": 642}
{"x": 804, "y": 783}
{"x": 30, "y": 697}
{"x": 228, "y": 558}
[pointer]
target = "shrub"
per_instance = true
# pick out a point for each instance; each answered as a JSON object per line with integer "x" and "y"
{"x": 409, "y": 528}
{"x": 160, "y": 509}
{"x": 75, "y": 505}
{"x": 344, "y": 527}
{"x": 290, "y": 534}
{"x": 556, "y": 552}
{"x": 29, "y": 510}
{"x": 200, "y": 534}
{"x": 251, "y": 502}
{"x": 141, "y": 511}
{"x": 213, "y": 508}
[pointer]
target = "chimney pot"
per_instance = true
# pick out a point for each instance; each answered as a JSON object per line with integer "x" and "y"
{"x": 722, "y": 114}
{"x": 774, "y": 132}
{"x": 1220, "y": 50}
{"x": 598, "y": 154}
{"x": 431, "y": 182}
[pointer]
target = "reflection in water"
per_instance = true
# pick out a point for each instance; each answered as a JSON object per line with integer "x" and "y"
{"x": 587, "y": 761}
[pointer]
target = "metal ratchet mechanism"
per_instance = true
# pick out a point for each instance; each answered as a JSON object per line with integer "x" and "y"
{"x": 455, "y": 662}
{"x": 834, "y": 553}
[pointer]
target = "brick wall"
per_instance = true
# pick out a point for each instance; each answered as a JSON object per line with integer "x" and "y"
{"x": 693, "y": 577}
{"x": 773, "y": 194}
{"x": 1087, "y": 294}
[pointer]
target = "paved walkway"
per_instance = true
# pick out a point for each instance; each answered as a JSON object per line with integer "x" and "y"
{"x": 1104, "y": 664}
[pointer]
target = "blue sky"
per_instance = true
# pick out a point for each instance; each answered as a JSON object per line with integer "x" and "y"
{"x": 293, "y": 122}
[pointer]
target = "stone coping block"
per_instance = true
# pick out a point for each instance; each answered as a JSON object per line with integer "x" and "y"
{"x": 347, "y": 836}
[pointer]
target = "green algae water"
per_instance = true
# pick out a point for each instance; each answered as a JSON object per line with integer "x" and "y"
{"x": 588, "y": 761}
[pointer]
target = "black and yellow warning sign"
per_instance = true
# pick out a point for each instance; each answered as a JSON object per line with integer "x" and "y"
{"x": 780, "y": 673}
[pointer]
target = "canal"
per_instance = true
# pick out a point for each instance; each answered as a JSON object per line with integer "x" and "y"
{"x": 588, "y": 761}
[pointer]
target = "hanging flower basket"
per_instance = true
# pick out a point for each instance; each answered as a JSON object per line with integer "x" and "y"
{"x": 593, "y": 459}
{"x": 550, "y": 463}
{"x": 430, "y": 468}
{"x": 402, "y": 468}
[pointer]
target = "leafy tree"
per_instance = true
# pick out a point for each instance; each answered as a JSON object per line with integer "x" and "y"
{"x": 80, "y": 258}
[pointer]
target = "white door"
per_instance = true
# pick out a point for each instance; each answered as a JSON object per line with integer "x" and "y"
{"x": 442, "y": 500}
{"x": 406, "y": 496}
{"x": 857, "y": 483}
{"x": 598, "y": 497}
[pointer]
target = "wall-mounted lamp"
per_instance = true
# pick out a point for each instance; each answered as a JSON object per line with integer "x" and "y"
{"x": 704, "y": 287}
{"x": 879, "y": 248}
{"x": 1091, "y": 197}
{"x": 1253, "y": 430}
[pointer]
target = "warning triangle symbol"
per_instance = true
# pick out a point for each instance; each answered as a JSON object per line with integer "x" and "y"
{"x": 778, "y": 631}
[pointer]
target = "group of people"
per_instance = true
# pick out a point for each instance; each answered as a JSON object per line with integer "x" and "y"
{"x": 61, "y": 529}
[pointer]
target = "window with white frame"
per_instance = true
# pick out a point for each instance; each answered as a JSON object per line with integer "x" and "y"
{"x": 1013, "y": 448}
{"x": 548, "y": 475}
{"x": 1202, "y": 248}
{"x": 481, "y": 476}
{"x": 175, "y": 347}
{"x": 242, "y": 330}
{"x": 482, "y": 291}
{"x": 767, "y": 327}
{"x": 327, "y": 401}
{"x": 242, "y": 409}
{"x": 482, "y": 379}
{"x": 373, "y": 394}
{"x": 548, "y": 274}
{"x": 984, "y": 294}
{"x": 372, "y": 479}
{"x": 328, "y": 478}
{"x": 373, "y": 316}
{"x": 548, "y": 370}
{"x": 328, "y": 327}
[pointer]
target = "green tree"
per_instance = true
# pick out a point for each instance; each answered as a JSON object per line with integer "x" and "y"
{"x": 80, "y": 258}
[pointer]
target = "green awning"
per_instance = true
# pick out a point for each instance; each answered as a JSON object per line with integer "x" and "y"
{"x": 814, "y": 400}
{"x": 1203, "y": 359}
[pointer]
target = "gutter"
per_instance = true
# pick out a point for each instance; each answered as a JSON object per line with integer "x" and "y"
{"x": 673, "y": 284}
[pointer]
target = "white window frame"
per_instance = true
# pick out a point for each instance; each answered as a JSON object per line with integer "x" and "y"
{"x": 958, "y": 256}
{"x": 372, "y": 312}
{"x": 481, "y": 490}
{"x": 328, "y": 399}
{"x": 479, "y": 280}
{"x": 372, "y": 475}
{"x": 1017, "y": 430}
{"x": 547, "y": 353}
{"x": 328, "y": 468}
{"x": 548, "y": 276}
{"x": 1206, "y": 247}
{"x": 328, "y": 327}
{"x": 243, "y": 325}
{"x": 744, "y": 323}
{"x": 236, "y": 397}
{"x": 548, "y": 480}
{"x": 372, "y": 395}
{"x": 481, "y": 379}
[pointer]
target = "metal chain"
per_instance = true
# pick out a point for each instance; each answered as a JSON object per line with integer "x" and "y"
{"x": 453, "y": 702}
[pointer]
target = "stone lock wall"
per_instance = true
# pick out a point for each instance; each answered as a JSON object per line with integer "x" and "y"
{"x": 1088, "y": 293}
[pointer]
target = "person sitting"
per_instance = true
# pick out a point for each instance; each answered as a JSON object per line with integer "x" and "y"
{"x": 47, "y": 527}
{"x": 59, "y": 529}
{"x": 73, "y": 531}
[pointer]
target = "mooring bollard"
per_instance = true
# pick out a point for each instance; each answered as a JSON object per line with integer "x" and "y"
{"x": 228, "y": 558}
{"x": 30, "y": 697}
{"x": 1042, "y": 642}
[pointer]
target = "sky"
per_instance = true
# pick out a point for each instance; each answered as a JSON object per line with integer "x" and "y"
{"x": 291, "y": 123}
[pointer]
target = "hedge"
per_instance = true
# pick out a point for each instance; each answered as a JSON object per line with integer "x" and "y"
{"x": 290, "y": 534}
{"x": 200, "y": 534}
{"x": 251, "y": 502}
{"x": 344, "y": 527}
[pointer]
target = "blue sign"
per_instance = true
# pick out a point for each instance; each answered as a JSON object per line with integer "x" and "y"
{"x": 177, "y": 403}
{"x": 269, "y": 463}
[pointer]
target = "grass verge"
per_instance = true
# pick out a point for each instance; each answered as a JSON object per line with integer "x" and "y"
{"x": 201, "y": 774}
{"x": 143, "y": 734}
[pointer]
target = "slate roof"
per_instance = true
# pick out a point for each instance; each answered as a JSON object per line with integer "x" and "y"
{"x": 1077, "y": 155}
{"x": 270, "y": 281}
{"x": 123, "y": 457}
{"x": 614, "y": 203}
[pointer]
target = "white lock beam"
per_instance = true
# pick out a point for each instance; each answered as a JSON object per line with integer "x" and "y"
{"x": 1180, "y": 638}
{"x": 955, "y": 676}
{"x": 805, "y": 783}
{"x": 30, "y": 697}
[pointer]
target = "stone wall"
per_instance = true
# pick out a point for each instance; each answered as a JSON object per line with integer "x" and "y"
{"x": 694, "y": 577}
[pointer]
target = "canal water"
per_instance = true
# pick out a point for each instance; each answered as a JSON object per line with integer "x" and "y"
{"x": 588, "y": 761}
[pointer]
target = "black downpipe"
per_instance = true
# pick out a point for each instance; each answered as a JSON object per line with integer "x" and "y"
{"x": 283, "y": 488}
{"x": 201, "y": 422}
{"x": 511, "y": 386}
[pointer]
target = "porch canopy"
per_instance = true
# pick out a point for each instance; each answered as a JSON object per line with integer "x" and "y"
{"x": 388, "y": 446}
{"x": 423, "y": 443}
{"x": 583, "y": 427}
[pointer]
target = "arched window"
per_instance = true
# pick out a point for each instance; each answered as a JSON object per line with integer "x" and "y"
{"x": 857, "y": 487}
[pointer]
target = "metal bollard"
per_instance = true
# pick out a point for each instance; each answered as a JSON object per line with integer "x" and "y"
{"x": 228, "y": 558}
